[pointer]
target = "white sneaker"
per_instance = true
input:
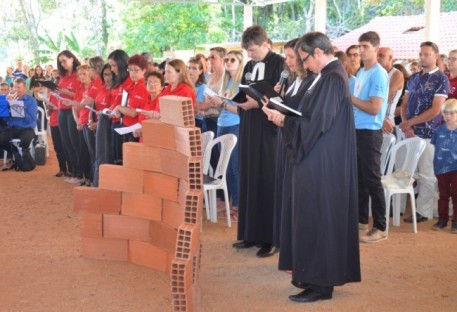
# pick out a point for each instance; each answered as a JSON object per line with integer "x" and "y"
{"x": 373, "y": 236}
{"x": 363, "y": 229}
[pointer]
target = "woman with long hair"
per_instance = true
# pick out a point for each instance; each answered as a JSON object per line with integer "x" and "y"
{"x": 179, "y": 82}
{"x": 69, "y": 85}
{"x": 229, "y": 121}
{"x": 196, "y": 70}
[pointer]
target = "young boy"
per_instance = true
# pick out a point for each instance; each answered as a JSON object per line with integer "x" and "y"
{"x": 445, "y": 164}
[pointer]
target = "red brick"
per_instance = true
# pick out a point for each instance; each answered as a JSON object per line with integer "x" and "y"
{"x": 173, "y": 214}
{"x": 177, "y": 110}
{"x": 119, "y": 178}
{"x": 163, "y": 236}
{"x": 95, "y": 200}
{"x": 183, "y": 188}
{"x": 195, "y": 176}
{"x": 188, "y": 141}
{"x": 158, "y": 134}
{"x": 174, "y": 164}
{"x": 181, "y": 276}
{"x": 91, "y": 224}
{"x": 141, "y": 206}
{"x": 161, "y": 186}
{"x": 193, "y": 207}
{"x": 105, "y": 249}
{"x": 125, "y": 227}
{"x": 148, "y": 255}
{"x": 188, "y": 242}
{"x": 170, "y": 259}
{"x": 139, "y": 156}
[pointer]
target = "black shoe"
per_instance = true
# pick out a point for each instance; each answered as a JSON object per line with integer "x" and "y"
{"x": 439, "y": 225}
{"x": 309, "y": 295}
{"x": 301, "y": 285}
{"x": 419, "y": 218}
{"x": 243, "y": 245}
{"x": 266, "y": 250}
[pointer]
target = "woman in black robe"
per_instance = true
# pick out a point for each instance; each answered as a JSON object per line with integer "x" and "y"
{"x": 321, "y": 145}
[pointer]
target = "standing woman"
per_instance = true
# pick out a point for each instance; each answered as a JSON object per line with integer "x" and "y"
{"x": 138, "y": 95}
{"x": 9, "y": 76}
{"x": 102, "y": 125}
{"x": 36, "y": 88}
{"x": 69, "y": 85}
{"x": 121, "y": 82}
{"x": 229, "y": 121}
{"x": 178, "y": 80}
{"x": 354, "y": 60}
{"x": 197, "y": 75}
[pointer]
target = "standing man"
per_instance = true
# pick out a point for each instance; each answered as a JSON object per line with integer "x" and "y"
{"x": 452, "y": 74}
{"x": 420, "y": 113}
{"x": 321, "y": 146}
{"x": 257, "y": 148}
{"x": 370, "y": 104}
{"x": 396, "y": 83}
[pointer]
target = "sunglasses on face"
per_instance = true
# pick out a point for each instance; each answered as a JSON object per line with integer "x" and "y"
{"x": 230, "y": 59}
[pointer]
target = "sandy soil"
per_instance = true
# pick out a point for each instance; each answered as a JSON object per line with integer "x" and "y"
{"x": 41, "y": 268}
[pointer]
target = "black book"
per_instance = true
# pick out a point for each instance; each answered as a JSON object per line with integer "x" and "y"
{"x": 257, "y": 90}
{"x": 275, "y": 104}
{"x": 47, "y": 84}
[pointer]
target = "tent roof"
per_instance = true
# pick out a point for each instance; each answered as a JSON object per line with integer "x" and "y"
{"x": 403, "y": 34}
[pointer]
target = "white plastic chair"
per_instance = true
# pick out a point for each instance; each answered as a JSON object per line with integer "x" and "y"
{"x": 401, "y": 180}
{"x": 387, "y": 142}
{"x": 43, "y": 134}
{"x": 207, "y": 137}
{"x": 218, "y": 180}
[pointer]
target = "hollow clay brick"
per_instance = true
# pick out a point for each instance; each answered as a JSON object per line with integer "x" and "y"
{"x": 193, "y": 207}
{"x": 119, "y": 178}
{"x": 95, "y": 200}
{"x": 105, "y": 249}
{"x": 158, "y": 134}
{"x": 170, "y": 259}
{"x": 91, "y": 224}
{"x": 195, "y": 177}
{"x": 173, "y": 214}
{"x": 188, "y": 141}
{"x": 188, "y": 243}
{"x": 125, "y": 227}
{"x": 174, "y": 164}
{"x": 163, "y": 236}
{"x": 177, "y": 110}
{"x": 161, "y": 185}
{"x": 181, "y": 276}
{"x": 148, "y": 255}
{"x": 141, "y": 206}
{"x": 138, "y": 156}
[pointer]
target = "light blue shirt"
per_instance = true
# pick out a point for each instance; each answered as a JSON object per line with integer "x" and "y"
{"x": 226, "y": 118}
{"x": 371, "y": 83}
{"x": 200, "y": 89}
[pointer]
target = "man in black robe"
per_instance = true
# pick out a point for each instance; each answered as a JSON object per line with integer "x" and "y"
{"x": 257, "y": 148}
{"x": 322, "y": 147}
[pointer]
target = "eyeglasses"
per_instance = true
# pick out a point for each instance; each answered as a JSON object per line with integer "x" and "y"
{"x": 134, "y": 70}
{"x": 353, "y": 54}
{"x": 230, "y": 59}
{"x": 153, "y": 83}
{"x": 452, "y": 59}
{"x": 306, "y": 58}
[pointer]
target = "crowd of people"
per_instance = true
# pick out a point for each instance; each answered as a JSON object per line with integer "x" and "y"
{"x": 284, "y": 167}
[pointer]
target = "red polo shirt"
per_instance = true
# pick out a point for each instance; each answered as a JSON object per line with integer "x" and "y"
{"x": 138, "y": 98}
{"x": 71, "y": 83}
{"x": 181, "y": 90}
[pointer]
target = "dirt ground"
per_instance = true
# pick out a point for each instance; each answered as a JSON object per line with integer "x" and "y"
{"x": 41, "y": 268}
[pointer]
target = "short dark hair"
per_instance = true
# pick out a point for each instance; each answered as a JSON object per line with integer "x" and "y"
{"x": 154, "y": 74}
{"x": 220, "y": 50}
{"x": 430, "y": 44}
{"x": 312, "y": 40}
{"x": 20, "y": 81}
{"x": 198, "y": 61}
{"x": 254, "y": 34}
{"x": 371, "y": 37}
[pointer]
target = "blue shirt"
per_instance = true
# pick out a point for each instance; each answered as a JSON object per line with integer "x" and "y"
{"x": 445, "y": 158}
{"x": 200, "y": 89}
{"x": 371, "y": 83}
{"x": 421, "y": 89}
{"x": 31, "y": 108}
{"x": 226, "y": 118}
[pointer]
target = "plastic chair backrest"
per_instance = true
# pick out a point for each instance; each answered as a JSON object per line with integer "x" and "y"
{"x": 41, "y": 115}
{"x": 399, "y": 134}
{"x": 387, "y": 142}
{"x": 228, "y": 142}
{"x": 411, "y": 149}
{"x": 207, "y": 137}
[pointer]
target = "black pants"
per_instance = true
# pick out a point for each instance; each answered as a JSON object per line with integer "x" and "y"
{"x": 116, "y": 142}
{"x": 64, "y": 164}
{"x": 84, "y": 158}
{"x": 104, "y": 153}
{"x": 369, "y": 173}
{"x": 70, "y": 140}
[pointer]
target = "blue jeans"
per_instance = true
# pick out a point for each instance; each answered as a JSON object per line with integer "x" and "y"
{"x": 233, "y": 170}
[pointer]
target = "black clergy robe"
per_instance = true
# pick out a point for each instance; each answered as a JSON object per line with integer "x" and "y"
{"x": 257, "y": 158}
{"x": 282, "y": 194}
{"x": 324, "y": 224}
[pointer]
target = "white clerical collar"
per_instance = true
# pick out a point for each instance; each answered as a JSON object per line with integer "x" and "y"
{"x": 332, "y": 60}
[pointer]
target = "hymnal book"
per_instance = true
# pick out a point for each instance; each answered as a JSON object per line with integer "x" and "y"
{"x": 239, "y": 97}
{"x": 275, "y": 104}
{"x": 47, "y": 84}
{"x": 257, "y": 90}
{"x": 4, "y": 106}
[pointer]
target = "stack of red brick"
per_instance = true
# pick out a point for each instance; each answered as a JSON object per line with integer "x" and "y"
{"x": 148, "y": 211}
